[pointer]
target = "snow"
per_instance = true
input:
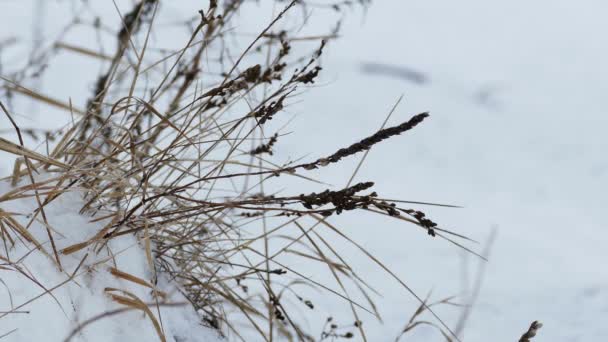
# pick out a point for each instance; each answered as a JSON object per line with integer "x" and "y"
{"x": 29, "y": 315}
{"x": 529, "y": 161}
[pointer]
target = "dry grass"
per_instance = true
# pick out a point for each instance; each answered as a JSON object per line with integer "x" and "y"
{"x": 183, "y": 164}
{"x": 532, "y": 330}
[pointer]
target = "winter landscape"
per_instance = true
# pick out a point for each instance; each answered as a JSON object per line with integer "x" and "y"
{"x": 303, "y": 170}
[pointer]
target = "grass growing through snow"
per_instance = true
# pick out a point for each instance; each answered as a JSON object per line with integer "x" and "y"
{"x": 176, "y": 146}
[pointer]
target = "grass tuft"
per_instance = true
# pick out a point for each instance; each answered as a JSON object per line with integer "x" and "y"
{"x": 172, "y": 148}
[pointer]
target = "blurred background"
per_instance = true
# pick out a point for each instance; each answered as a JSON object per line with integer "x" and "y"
{"x": 517, "y": 93}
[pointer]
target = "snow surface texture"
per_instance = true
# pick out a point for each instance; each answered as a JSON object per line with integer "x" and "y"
{"x": 28, "y": 316}
{"x": 517, "y": 95}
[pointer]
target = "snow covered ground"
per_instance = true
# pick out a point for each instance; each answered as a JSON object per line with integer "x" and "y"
{"x": 530, "y": 159}
{"x": 517, "y": 135}
{"x": 80, "y": 296}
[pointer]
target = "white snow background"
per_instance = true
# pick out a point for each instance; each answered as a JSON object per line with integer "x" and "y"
{"x": 517, "y": 92}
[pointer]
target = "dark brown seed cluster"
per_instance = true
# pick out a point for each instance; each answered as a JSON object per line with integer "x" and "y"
{"x": 389, "y": 208}
{"x": 278, "y": 313}
{"x": 423, "y": 220}
{"x": 305, "y": 75}
{"x": 265, "y": 148}
{"x": 383, "y": 134}
{"x": 134, "y": 18}
{"x": 528, "y": 335}
{"x": 332, "y": 330}
{"x": 252, "y": 74}
{"x": 266, "y": 112}
{"x": 368, "y": 142}
{"x": 252, "y": 213}
{"x": 274, "y": 73}
{"x": 342, "y": 200}
{"x": 309, "y": 76}
{"x": 239, "y": 282}
{"x": 285, "y": 47}
{"x": 278, "y": 271}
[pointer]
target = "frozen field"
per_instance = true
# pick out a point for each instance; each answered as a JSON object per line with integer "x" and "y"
{"x": 517, "y": 93}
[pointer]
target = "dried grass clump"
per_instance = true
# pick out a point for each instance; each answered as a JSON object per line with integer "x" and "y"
{"x": 532, "y": 330}
{"x": 183, "y": 164}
